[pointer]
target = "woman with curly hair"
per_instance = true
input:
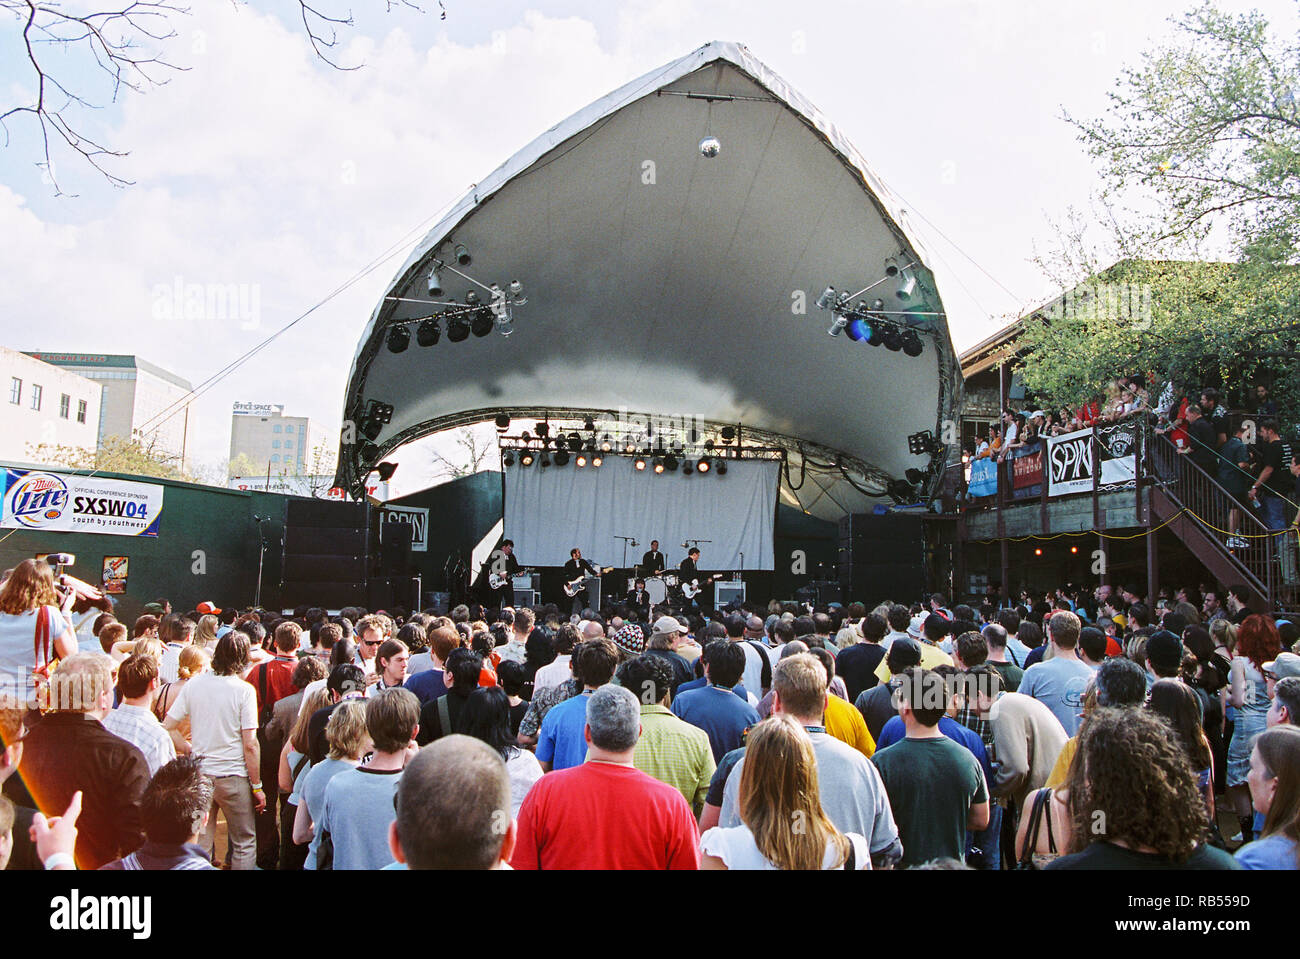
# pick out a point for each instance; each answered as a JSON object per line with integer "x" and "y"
{"x": 778, "y": 788}
{"x": 1178, "y": 705}
{"x": 1133, "y": 799}
{"x": 1275, "y": 788}
{"x": 1257, "y": 643}
{"x": 28, "y": 597}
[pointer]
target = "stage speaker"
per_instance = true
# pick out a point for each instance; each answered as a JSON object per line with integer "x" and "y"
{"x": 395, "y": 549}
{"x": 881, "y": 556}
{"x": 327, "y": 546}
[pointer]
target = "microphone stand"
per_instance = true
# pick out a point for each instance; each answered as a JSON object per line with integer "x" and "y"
{"x": 627, "y": 540}
{"x": 261, "y": 556}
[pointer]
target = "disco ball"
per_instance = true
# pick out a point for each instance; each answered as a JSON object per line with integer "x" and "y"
{"x": 710, "y": 147}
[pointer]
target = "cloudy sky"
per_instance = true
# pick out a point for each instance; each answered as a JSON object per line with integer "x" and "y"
{"x": 262, "y": 168}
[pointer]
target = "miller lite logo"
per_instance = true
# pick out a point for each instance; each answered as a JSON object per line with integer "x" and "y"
{"x": 37, "y": 499}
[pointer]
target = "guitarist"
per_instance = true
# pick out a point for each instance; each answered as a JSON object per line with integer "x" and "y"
{"x": 689, "y": 571}
{"x": 653, "y": 562}
{"x": 579, "y": 568}
{"x": 503, "y": 563}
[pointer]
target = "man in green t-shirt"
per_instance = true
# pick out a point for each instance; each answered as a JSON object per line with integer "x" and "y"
{"x": 936, "y": 788}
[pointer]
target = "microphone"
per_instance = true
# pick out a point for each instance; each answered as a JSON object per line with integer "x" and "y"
{"x": 635, "y": 543}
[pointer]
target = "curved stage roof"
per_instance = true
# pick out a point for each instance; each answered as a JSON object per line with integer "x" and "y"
{"x": 663, "y": 282}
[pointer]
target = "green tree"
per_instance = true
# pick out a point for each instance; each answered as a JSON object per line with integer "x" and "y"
{"x": 114, "y": 455}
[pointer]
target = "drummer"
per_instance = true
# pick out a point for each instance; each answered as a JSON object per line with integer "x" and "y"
{"x": 639, "y": 600}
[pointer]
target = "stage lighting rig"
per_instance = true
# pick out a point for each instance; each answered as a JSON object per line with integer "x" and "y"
{"x": 919, "y": 444}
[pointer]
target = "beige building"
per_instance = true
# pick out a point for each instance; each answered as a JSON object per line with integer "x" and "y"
{"x": 141, "y": 401}
{"x": 44, "y": 405}
{"x": 263, "y": 441}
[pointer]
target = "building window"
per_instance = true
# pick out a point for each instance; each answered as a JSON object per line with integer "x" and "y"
{"x": 275, "y": 428}
{"x": 302, "y": 428}
{"x": 275, "y": 457}
{"x": 275, "y": 444}
{"x": 36, "y": 396}
{"x": 65, "y": 406}
{"x": 288, "y": 444}
{"x": 15, "y": 390}
{"x": 81, "y": 411}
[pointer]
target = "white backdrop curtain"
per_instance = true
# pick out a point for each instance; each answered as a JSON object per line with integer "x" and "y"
{"x": 550, "y": 511}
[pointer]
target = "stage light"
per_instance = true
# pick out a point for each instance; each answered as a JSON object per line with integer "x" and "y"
{"x": 912, "y": 344}
{"x": 561, "y": 457}
{"x": 659, "y": 465}
{"x": 837, "y": 324}
{"x": 546, "y": 460}
{"x": 908, "y": 286}
{"x": 386, "y": 471}
{"x": 860, "y": 330}
{"x": 1038, "y": 551}
{"x": 503, "y": 421}
{"x": 670, "y": 463}
{"x": 722, "y": 468}
{"x": 597, "y": 461}
{"x": 367, "y": 452}
{"x": 589, "y": 424}
{"x": 892, "y": 339}
{"x": 371, "y": 427}
{"x": 526, "y": 459}
{"x": 728, "y": 434}
{"x": 517, "y": 293}
{"x": 383, "y": 412}
{"x": 543, "y": 429}
{"x": 481, "y": 324}
{"x": 435, "y": 279}
{"x": 399, "y": 338}
{"x": 457, "y": 327}
{"x": 703, "y": 465}
{"x": 471, "y": 298}
{"x": 891, "y": 267}
{"x": 428, "y": 332}
{"x": 920, "y": 443}
{"x": 639, "y": 463}
{"x": 505, "y": 322}
{"x": 827, "y": 299}
{"x": 508, "y": 459}
{"x": 462, "y": 255}
{"x": 525, "y": 436}
{"x": 575, "y": 442}
{"x": 1074, "y": 549}
{"x": 687, "y": 469}
{"x": 581, "y": 461}
{"x": 606, "y": 444}
{"x": 877, "y": 305}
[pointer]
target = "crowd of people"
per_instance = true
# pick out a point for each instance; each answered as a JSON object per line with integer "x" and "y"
{"x": 1093, "y": 728}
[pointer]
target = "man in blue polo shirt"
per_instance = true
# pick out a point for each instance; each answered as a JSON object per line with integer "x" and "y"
{"x": 560, "y": 742}
{"x": 716, "y": 708}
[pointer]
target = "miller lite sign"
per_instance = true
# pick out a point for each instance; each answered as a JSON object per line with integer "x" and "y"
{"x": 59, "y": 502}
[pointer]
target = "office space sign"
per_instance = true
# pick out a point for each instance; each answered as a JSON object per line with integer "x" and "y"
{"x": 62, "y": 503}
{"x": 1071, "y": 459}
{"x": 417, "y": 518}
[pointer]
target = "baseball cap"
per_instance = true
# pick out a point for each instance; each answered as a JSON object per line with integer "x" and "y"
{"x": 916, "y": 627}
{"x": 667, "y": 625}
{"x": 1165, "y": 651}
{"x": 1286, "y": 664}
{"x": 207, "y": 609}
{"x": 153, "y": 609}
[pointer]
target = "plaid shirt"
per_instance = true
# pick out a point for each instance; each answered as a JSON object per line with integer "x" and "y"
{"x": 542, "y": 703}
{"x": 967, "y": 716}
{"x": 140, "y": 727}
{"x": 676, "y": 753}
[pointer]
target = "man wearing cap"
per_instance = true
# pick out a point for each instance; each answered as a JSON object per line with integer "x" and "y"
{"x": 1164, "y": 652}
{"x": 931, "y": 655}
{"x": 664, "y": 640}
{"x": 1286, "y": 666}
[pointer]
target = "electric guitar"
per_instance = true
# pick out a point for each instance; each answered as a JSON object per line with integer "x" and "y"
{"x": 692, "y": 589}
{"x": 574, "y": 587}
{"x": 501, "y": 580}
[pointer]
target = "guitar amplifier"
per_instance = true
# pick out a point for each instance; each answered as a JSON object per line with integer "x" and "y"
{"x": 526, "y": 581}
{"x": 527, "y": 597}
{"x": 726, "y": 592}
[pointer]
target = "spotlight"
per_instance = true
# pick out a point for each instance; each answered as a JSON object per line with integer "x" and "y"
{"x": 543, "y": 429}
{"x": 912, "y": 344}
{"x": 914, "y": 476}
{"x": 581, "y": 461}
{"x": 1038, "y": 551}
{"x": 589, "y": 424}
{"x": 703, "y": 465}
{"x": 383, "y": 412}
{"x": 639, "y": 463}
{"x": 435, "y": 279}
{"x": 367, "y": 452}
{"x": 606, "y": 443}
{"x": 508, "y": 459}
{"x": 462, "y": 255}
{"x": 722, "y": 468}
{"x": 837, "y": 324}
{"x": 597, "y": 460}
{"x": 503, "y": 421}
{"x": 561, "y": 457}
{"x": 399, "y": 338}
{"x": 877, "y": 305}
{"x": 891, "y": 267}
{"x": 546, "y": 460}
{"x": 827, "y": 299}
{"x": 659, "y": 465}
{"x": 457, "y": 327}
{"x": 1074, "y": 549}
{"x": 517, "y": 293}
{"x": 481, "y": 323}
{"x": 428, "y": 332}
{"x": 892, "y": 339}
{"x": 505, "y": 321}
{"x": 861, "y": 331}
{"x": 471, "y": 298}
{"x": 670, "y": 463}
{"x": 728, "y": 434}
{"x": 908, "y": 286}
{"x": 575, "y": 442}
{"x": 921, "y": 443}
{"x": 687, "y": 469}
{"x": 526, "y": 459}
{"x": 371, "y": 427}
{"x": 709, "y": 444}
{"x": 386, "y": 471}
{"x": 526, "y": 436}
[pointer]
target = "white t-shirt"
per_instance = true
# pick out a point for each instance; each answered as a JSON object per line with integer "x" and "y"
{"x": 736, "y": 848}
{"x": 219, "y": 709}
{"x": 18, "y": 645}
{"x": 552, "y": 674}
{"x": 524, "y": 770}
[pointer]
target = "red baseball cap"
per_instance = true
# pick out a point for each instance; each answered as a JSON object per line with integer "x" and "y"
{"x": 207, "y": 609}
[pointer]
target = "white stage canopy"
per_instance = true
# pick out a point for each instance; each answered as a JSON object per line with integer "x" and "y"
{"x": 550, "y": 511}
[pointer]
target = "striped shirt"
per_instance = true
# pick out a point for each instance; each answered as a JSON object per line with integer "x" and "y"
{"x": 140, "y": 727}
{"x": 675, "y": 752}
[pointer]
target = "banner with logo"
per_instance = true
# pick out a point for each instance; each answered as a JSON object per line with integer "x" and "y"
{"x": 983, "y": 477}
{"x": 1071, "y": 459}
{"x": 1027, "y": 471}
{"x": 418, "y": 518}
{"x": 60, "y": 503}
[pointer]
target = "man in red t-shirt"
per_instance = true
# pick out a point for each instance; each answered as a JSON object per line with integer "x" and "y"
{"x": 272, "y": 681}
{"x": 278, "y": 672}
{"x": 606, "y": 813}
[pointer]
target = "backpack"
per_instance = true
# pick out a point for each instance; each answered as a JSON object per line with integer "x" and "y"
{"x": 765, "y": 677}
